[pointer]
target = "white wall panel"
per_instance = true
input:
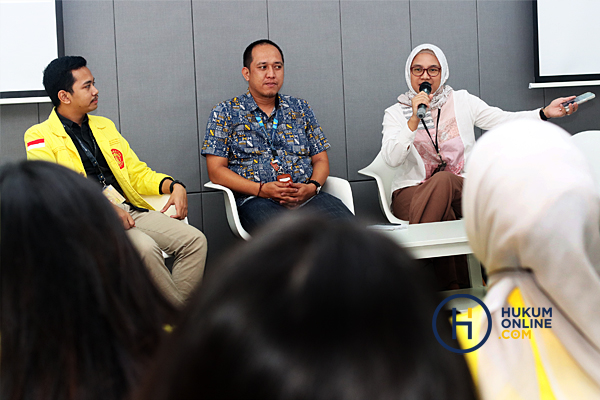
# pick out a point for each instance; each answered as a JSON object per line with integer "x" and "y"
{"x": 452, "y": 26}
{"x": 15, "y": 119}
{"x": 375, "y": 42}
{"x": 89, "y": 32}
{"x": 157, "y": 89}
{"x": 506, "y": 55}
{"x": 222, "y": 30}
{"x": 309, "y": 34}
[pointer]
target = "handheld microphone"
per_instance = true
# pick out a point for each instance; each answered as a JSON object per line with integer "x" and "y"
{"x": 424, "y": 87}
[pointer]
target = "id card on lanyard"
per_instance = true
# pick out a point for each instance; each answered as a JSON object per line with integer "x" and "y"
{"x": 276, "y": 163}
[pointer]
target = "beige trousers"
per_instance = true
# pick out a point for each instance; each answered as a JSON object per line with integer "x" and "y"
{"x": 155, "y": 232}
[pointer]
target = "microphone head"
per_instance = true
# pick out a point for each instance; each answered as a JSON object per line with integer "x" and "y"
{"x": 425, "y": 87}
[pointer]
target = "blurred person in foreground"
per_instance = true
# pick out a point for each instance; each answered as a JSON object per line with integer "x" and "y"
{"x": 532, "y": 216}
{"x": 310, "y": 309}
{"x": 81, "y": 317}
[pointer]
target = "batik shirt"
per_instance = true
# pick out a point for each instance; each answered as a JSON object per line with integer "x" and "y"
{"x": 234, "y": 132}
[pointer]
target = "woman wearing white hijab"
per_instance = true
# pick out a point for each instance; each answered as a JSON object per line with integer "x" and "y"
{"x": 532, "y": 215}
{"x": 432, "y": 152}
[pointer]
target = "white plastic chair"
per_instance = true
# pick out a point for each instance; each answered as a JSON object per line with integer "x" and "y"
{"x": 337, "y": 187}
{"x": 435, "y": 239}
{"x": 589, "y": 143}
{"x": 158, "y": 202}
{"x": 384, "y": 175}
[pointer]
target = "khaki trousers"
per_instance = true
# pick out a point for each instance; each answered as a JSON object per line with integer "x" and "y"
{"x": 155, "y": 232}
{"x": 437, "y": 199}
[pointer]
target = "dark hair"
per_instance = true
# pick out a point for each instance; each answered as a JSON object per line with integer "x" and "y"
{"x": 58, "y": 75}
{"x": 80, "y": 315}
{"x": 251, "y": 46}
{"x": 313, "y": 309}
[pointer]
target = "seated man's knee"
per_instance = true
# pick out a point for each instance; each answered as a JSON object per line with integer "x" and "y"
{"x": 330, "y": 206}
{"x": 145, "y": 245}
{"x": 258, "y": 211}
{"x": 196, "y": 241}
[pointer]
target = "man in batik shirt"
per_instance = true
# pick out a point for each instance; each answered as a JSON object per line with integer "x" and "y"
{"x": 268, "y": 147}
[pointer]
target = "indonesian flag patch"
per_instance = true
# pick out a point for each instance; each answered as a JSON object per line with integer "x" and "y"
{"x": 118, "y": 157}
{"x": 36, "y": 144}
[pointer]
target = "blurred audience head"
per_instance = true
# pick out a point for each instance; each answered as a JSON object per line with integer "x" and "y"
{"x": 80, "y": 315}
{"x": 310, "y": 309}
{"x": 529, "y": 196}
{"x": 532, "y": 214}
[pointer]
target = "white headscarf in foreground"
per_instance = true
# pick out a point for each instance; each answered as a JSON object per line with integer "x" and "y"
{"x": 441, "y": 94}
{"x": 532, "y": 215}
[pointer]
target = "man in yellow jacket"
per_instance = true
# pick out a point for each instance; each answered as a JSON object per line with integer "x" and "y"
{"x": 92, "y": 146}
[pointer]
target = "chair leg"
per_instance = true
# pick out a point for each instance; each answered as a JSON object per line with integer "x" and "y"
{"x": 475, "y": 272}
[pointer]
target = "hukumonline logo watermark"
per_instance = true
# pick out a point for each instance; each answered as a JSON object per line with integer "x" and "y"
{"x": 516, "y": 321}
{"x": 525, "y": 319}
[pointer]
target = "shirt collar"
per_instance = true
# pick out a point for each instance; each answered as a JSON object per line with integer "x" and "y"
{"x": 252, "y": 106}
{"x": 66, "y": 121}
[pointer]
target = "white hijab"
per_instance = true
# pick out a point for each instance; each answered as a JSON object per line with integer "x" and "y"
{"x": 532, "y": 215}
{"x": 441, "y": 94}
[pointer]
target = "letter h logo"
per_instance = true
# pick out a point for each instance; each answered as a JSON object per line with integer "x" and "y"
{"x": 455, "y": 323}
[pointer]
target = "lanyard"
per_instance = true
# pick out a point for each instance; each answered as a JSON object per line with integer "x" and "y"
{"x": 276, "y": 164}
{"x": 437, "y": 124}
{"x": 93, "y": 159}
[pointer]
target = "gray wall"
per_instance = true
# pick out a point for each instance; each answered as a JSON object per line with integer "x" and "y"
{"x": 160, "y": 66}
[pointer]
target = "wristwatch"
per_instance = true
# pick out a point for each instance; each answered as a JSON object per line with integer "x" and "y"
{"x": 173, "y": 184}
{"x": 317, "y": 184}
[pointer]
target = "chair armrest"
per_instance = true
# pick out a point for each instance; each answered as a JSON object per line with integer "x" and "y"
{"x": 341, "y": 189}
{"x": 233, "y": 218}
{"x": 384, "y": 202}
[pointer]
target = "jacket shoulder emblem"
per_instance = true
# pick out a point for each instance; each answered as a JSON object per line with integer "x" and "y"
{"x": 118, "y": 157}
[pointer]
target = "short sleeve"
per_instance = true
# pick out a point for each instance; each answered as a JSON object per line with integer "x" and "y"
{"x": 216, "y": 139}
{"x": 314, "y": 134}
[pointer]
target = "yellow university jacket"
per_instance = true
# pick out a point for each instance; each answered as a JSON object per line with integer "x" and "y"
{"x": 49, "y": 141}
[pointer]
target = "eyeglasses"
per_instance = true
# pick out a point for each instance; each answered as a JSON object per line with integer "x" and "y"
{"x": 432, "y": 71}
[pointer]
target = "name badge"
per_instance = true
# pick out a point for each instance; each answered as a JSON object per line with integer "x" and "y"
{"x": 113, "y": 195}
